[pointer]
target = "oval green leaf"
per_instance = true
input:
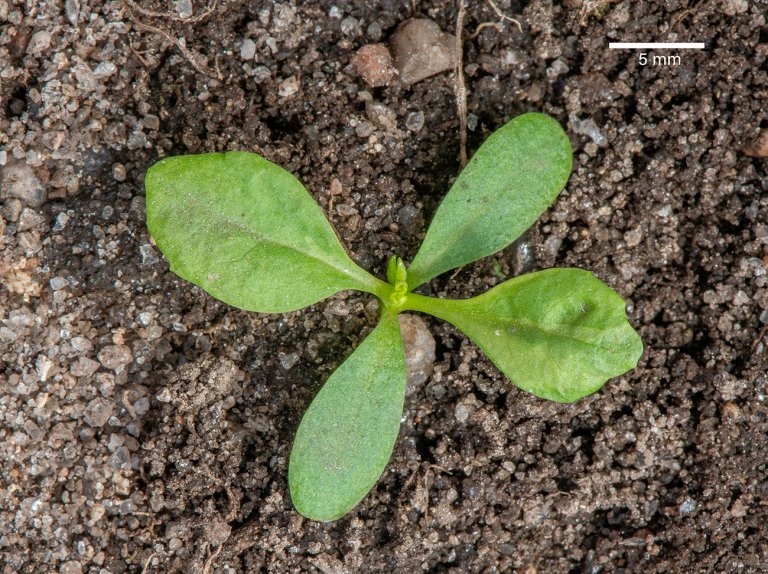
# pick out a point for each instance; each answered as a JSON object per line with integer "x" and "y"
{"x": 510, "y": 181}
{"x": 559, "y": 334}
{"x": 247, "y": 232}
{"x": 346, "y": 437}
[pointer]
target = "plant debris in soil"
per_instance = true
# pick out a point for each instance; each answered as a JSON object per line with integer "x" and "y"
{"x": 146, "y": 427}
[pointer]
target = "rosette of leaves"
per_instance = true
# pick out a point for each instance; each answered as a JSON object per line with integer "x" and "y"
{"x": 247, "y": 232}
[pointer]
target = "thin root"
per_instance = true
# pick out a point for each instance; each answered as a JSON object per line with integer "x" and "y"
{"x": 483, "y": 26}
{"x": 503, "y": 16}
{"x": 211, "y": 558}
{"x": 170, "y": 16}
{"x": 193, "y": 57}
{"x": 147, "y": 563}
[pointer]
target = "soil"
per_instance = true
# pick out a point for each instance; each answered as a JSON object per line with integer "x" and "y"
{"x": 146, "y": 427}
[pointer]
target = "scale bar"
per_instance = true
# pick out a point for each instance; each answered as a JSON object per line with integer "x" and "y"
{"x": 651, "y": 45}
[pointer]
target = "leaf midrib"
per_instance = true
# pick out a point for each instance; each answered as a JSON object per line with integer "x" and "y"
{"x": 260, "y": 238}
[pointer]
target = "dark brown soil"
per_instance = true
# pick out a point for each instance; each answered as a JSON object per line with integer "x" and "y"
{"x": 146, "y": 427}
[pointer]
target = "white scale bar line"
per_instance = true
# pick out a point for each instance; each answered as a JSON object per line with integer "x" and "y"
{"x": 650, "y": 45}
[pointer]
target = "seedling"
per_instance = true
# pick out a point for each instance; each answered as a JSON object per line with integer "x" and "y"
{"x": 247, "y": 232}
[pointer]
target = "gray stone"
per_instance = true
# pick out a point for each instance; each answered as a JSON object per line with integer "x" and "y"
{"x": 462, "y": 412}
{"x": 71, "y": 567}
{"x": 98, "y": 411}
{"x": 72, "y": 10}
{"x": 248, "y": 49}
{"x": 381, "y": 115}
{"x": 288, "y": 87}
{"x": 419, "y": 347}
{"x": 415, "y": 121}
{"x": 84, "y": 367}
{"x": 217, "y": 532}
{"x": 421, "y": 50}
{"x": 22, "y": 182}
{"x": 288, "y": 360}
{"x": 115, "y": 356}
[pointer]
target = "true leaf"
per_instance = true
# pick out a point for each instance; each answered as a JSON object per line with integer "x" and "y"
{"x": 347, "y": 435}
{"x": 559, "y": 334}
{"x": 247, "y": 232}
{"x": 515, "y": 175}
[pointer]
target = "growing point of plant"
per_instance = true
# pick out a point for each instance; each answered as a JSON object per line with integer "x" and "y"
{"x": 248, "y": 233}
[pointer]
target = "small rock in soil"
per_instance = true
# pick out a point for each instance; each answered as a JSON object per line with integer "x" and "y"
{"x": 217, "y": 532}
{"x": 115, "y": 356}
{"x": 381, "y": 115}
{"x": 20, "y": 181}
{"x": 419, "y": 347}
{"x": 288, "y": 87}
{"x": 248, "y": 49}
{"x": 422, "y": 50}
{"x": 98, "y": 411}
{"x": 374, "y": 64}
{"x": 415, "y": 121}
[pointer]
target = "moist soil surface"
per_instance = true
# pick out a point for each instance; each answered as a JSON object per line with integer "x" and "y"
{"x": 147, "y": 427}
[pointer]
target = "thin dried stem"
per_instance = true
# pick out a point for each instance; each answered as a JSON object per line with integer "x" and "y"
{"x": 459, "y": 88}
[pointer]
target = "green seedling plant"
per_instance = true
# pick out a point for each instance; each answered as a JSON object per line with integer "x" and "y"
{"x": 247, "y": 232}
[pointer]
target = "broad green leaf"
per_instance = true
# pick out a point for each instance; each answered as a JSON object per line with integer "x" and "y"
{"x": 510, "y": 181}
{"x": 347, "y": 434}
{"x": 559, "y": 334}
{"x": 247, "y": 232}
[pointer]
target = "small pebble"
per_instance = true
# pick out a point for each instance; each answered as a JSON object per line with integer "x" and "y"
{"x": 419, "y": 345}
{"x": 421, "y": 50}
{"x": 39, "y": 43}
{"x": 374, "y": 64}
{"x": 248, "y": 49}
{"x": 22, "y": 182}
{"x": 415, "y": 121}
{"x": 588, "y": 128}
{"x": 84, "y": 367}
{"x": 472, "y": 120}
{"x": 381, "y": 115}
{"x": 71, "y": 567}
{"x": 462, "y": 412}
{"x": 141, "y": 407}
{"x": 217, "y": 532}
{"x": 374, "y": 31}
{"x": 98, "y": 411}
{"x": 288, "y": 87}
{"x": 115, "y": 356}
{"x": 72, "y": 10}
{"x": 151, "y": 122}
{"x": 350, "y": 26}
{"x": 364, "y": 129}
{"x": 148, "y": 255}
{"x": 183, "y": 8}
{"x": 118, "y": 172}
{"x": 687, "y": 506}
{"x": 30, "y": 219}
{"x": 288, "y": 360}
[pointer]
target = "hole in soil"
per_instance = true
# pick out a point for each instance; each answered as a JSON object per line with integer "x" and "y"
{"x": 565, "y": 483}
{"x": 283, "y": 128}
{"x": 17, "y": 101}
{"x": 424, "y": 448}
{"x": 587, "y": 435}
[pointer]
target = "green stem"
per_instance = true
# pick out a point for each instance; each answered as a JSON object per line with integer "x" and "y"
{"x": 445, "y": 309}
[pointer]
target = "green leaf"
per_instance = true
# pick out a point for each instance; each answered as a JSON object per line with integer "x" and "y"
{"x": 347, "y": 434}
{"x": 247, "y": 232}
{"x": 510, "y": 181}
{"x": 559, "y": 334}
